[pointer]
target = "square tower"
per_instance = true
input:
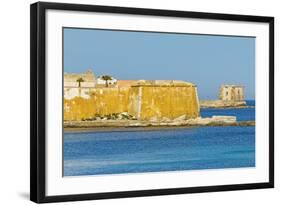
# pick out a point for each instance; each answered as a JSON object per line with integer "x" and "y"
{"x": 231, "y": 93}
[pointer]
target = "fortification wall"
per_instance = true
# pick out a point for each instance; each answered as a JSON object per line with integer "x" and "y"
{"x": 143, "y": 102}
{"x": 158, "y": 102}
{"x": 101, "y": 101}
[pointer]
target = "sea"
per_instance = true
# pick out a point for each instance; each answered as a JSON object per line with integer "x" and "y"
{"x": 175, "y": 149}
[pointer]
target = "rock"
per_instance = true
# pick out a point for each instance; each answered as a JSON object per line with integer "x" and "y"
{"x": 165, "y": 119}
{"x": 119, "y": 117}
{"x": 222, "y": 104}
{"x": 180, "y": 118}
{"x": 163, "y": 123}
{"x": 224, "y": 119}
{"x": 199, "y": 121}
{"x": 139, "y": 124}
{"x": 153, "y": 119}
{"x": 214, "y": 120}
{"x": 134, "y": 118}
{"x": 178, "y": 123}
{"x": 122, "y": 115}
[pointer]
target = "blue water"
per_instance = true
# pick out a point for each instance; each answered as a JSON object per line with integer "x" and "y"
{"x": 108, "y": 152}
{"x": 242, "y": 114}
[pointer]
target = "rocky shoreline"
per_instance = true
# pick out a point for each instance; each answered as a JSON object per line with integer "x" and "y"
{"x": 109, "y": 124}
{"x": 223, "y": 104}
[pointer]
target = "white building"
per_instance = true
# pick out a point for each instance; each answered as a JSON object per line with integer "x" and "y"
{"x": 78, "y": 84}
{"x": 111, "y": 82}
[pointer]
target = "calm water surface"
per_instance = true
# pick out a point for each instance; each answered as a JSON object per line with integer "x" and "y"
{"x": 110, "y": 152}
{"x": 244, "y": 114}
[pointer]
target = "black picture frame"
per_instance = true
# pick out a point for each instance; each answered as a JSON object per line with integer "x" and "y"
{"x": 38, "y": 101}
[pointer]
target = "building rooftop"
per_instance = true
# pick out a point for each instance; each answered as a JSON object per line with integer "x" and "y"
{"x": 229, "y": 85}
{"x": 87, "y": 76}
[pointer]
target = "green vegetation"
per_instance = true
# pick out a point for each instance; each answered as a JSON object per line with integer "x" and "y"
{"x": 80, "y": 80}
{"x": 106, "y": 78}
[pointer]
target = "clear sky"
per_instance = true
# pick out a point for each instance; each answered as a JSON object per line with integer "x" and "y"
{"x": 205, "y": 60}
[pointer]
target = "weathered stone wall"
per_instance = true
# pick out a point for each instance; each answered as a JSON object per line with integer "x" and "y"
{"x": 158, "y": 102}
{"x": 71, "y": 89}
{"x": 144, "y": 102}
{"x": 102, "y": 101}
{"x": 231, "y": 93}
{"x": 239, "y": 93}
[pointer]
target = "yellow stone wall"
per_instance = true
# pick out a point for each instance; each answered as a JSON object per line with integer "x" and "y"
{"x": 103, "y": 101}
{"x": 162, "y": 101}
{"x": 144, "y": 102}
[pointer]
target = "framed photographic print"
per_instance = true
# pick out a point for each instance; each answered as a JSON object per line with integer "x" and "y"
{"x": 129, "y": 102}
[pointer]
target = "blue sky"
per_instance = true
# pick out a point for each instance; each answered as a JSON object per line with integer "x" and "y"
{"x": 205, "y": 60}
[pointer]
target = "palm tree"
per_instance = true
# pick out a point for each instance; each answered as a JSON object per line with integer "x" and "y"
{"x": 80, "y": 80}
{"x": 106, "y": 78}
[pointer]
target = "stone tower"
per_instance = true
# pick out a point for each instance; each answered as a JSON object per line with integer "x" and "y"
{"x": 231, "y": 93}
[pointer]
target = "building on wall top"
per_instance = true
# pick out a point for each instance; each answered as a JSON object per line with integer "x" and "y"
{"x": 231, "y": 93}
{"x": 79, "y": 84}
{"x": 106, "y": 81}
{"x": 83, "y": 80}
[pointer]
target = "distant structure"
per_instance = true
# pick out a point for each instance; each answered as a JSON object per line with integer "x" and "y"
{"x": 79, "y": 84}
{"x": 71, "y": 79}
{"x": 110, "y": 82}
{"x": 231, "y": 93}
